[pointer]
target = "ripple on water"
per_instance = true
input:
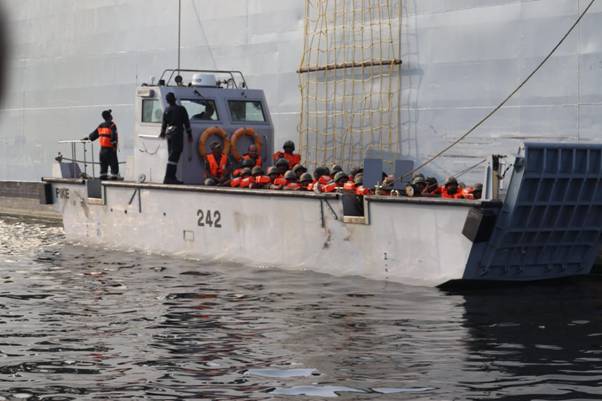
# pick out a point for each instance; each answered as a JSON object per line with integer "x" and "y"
{"x": 90, "y": 324}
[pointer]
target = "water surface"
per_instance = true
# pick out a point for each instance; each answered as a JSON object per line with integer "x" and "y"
{"x": 91, "y": 324}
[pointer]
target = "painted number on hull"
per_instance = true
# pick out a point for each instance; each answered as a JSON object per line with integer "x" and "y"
{"x": 209, "y": 218}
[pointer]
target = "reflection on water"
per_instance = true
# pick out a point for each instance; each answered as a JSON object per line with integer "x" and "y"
{"x": 91, "y": 324}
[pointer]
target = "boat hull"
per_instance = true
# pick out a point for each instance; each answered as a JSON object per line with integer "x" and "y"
{"x": 417, "y": 243}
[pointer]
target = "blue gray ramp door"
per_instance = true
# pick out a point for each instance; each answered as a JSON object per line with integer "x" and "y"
{"x": 551, "y": 221}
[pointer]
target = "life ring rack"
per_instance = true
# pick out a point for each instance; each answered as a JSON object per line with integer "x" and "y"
{"x": 208, "y": 133}
{"x": 239, "y": 133}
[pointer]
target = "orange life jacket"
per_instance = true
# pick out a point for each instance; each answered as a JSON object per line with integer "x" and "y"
{"x": 349, "y": 186}
{"x": 245, "y": 182}
{"x": 330, "y": 187}
{"x": 310, "y": 186}
{"x": 104, "y": 137}
{"x": 258, "y": 161}
{"x": 263, "y": 179}
{"x": 468, "y": 193}
{"x": 446, "y": 195}
{"x": 293, "y": 186}
{"x": 325, "y": 179}
{"x": 293, "y": 158}
{"x": 215, "y": 169}
{"x": 361, "y": 191}
{"x": 281, "y": 181}
{"x": 235, "y": 182}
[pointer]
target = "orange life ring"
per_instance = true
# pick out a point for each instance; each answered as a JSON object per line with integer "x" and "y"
{"x": 250, "y": 132}
{"x": 208, "y": 133}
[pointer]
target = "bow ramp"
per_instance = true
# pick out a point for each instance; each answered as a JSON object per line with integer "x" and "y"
{"x": 551, "y": 221}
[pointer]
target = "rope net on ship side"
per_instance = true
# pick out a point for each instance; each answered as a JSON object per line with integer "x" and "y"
{"x": 349, "y": 80}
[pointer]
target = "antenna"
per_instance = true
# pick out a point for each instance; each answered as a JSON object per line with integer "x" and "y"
{"x": 179, "y": 32}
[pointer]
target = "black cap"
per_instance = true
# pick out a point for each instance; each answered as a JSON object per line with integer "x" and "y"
{"x": 106, "y": 114}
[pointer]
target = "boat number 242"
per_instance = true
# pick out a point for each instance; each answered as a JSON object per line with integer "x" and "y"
{"x": 209, "y": 218}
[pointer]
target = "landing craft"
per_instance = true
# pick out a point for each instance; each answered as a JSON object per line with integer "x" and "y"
{"x": 540, "y": 216}
{"x": 545, "y": 223}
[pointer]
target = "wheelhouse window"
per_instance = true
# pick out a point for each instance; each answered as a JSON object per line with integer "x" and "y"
{"x": 200, "y": 109}
{"x": 152, "y": 112}
{"x": 246, "y": 111}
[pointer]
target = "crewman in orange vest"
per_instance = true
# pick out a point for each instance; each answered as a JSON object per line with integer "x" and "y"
{"x": 292, "y": 182}
{"x": 299, "y": 170}
{"x": 106, "y": 133}
{"x": 245, "y": 163}
{"x": 289, "y": 148}
{"x": 253, "y": 154}
{"x": 282, "y": 165}
{"x": 246, "y": 177}
{"x": 217, "y": 165}
{"x": 451, "y": 189}
{"x": 260, "y": 179}
{"x": 306, "y": 181}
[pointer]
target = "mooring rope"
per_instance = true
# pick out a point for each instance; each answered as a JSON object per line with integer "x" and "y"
{"x": 492, "y": 112}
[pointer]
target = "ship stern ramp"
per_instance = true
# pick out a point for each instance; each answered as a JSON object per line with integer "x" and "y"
{"x": 550, "y": 224}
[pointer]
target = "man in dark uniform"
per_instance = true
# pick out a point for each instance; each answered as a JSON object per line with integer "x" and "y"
{"x": 106, "y": 133}
{"x": 175, "y": 120}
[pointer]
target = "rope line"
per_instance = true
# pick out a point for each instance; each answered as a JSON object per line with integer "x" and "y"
{"x": 492, "y": 112}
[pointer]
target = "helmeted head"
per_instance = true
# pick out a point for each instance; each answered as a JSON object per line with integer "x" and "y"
{"x": 216, "y": 148}
{"x": 340, "y": 178}
{"x": 419, "y": 182}
{"x": 210, "y": 182}
{"x": 321, "y": 171}
{"x": 106, "y": 115}
{"x": 478, "y": 191}
{"x": 170, "y": 98}
{"x": 358, "y": 179}
{"x": 299, "y": 169}
{"x": 245, "y": 172}
{"x": 282, "y": 165}
{"x": 247, "y": 163}
{"x": 431, "y": 182}
{"x": 335, "y": 168}
{"x": 289, "y": 147}
{"x": 290, "y": 176}
{"x": 252, "y": 150}
{"x": 256, "y": 171}
{"x": 306, "y": 178}
{"x": 273, "y": 172}
{"x": 451, "y": 185}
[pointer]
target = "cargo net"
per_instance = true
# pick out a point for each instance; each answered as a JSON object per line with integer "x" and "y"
{"x": 350, "y": 80}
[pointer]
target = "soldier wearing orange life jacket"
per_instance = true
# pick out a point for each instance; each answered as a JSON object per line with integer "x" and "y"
{"x": 106, "y": 133}
{"x": 299, "y": 170}
{"x": 217, "y": 166}
{"x": 337, "y": 182}
{"x": 306, "y": 181}
{"x": 246, "y": 178}
{"x": 260, "y": 180}
{"x": 360, "y": 189}
{"x": 289, "y": 148}
{"x": 245, "y": 163}
{"x": 274, "y": 175}
{"x": 450, "y": 190}
{"x": 235, "y": 180}
{"x": 252, "y": 155}
{"x": 292, "y": 182}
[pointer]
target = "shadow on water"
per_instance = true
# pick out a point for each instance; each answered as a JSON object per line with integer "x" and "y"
{"x": 534, "y": 341}
{"x": 91, "y": 324}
